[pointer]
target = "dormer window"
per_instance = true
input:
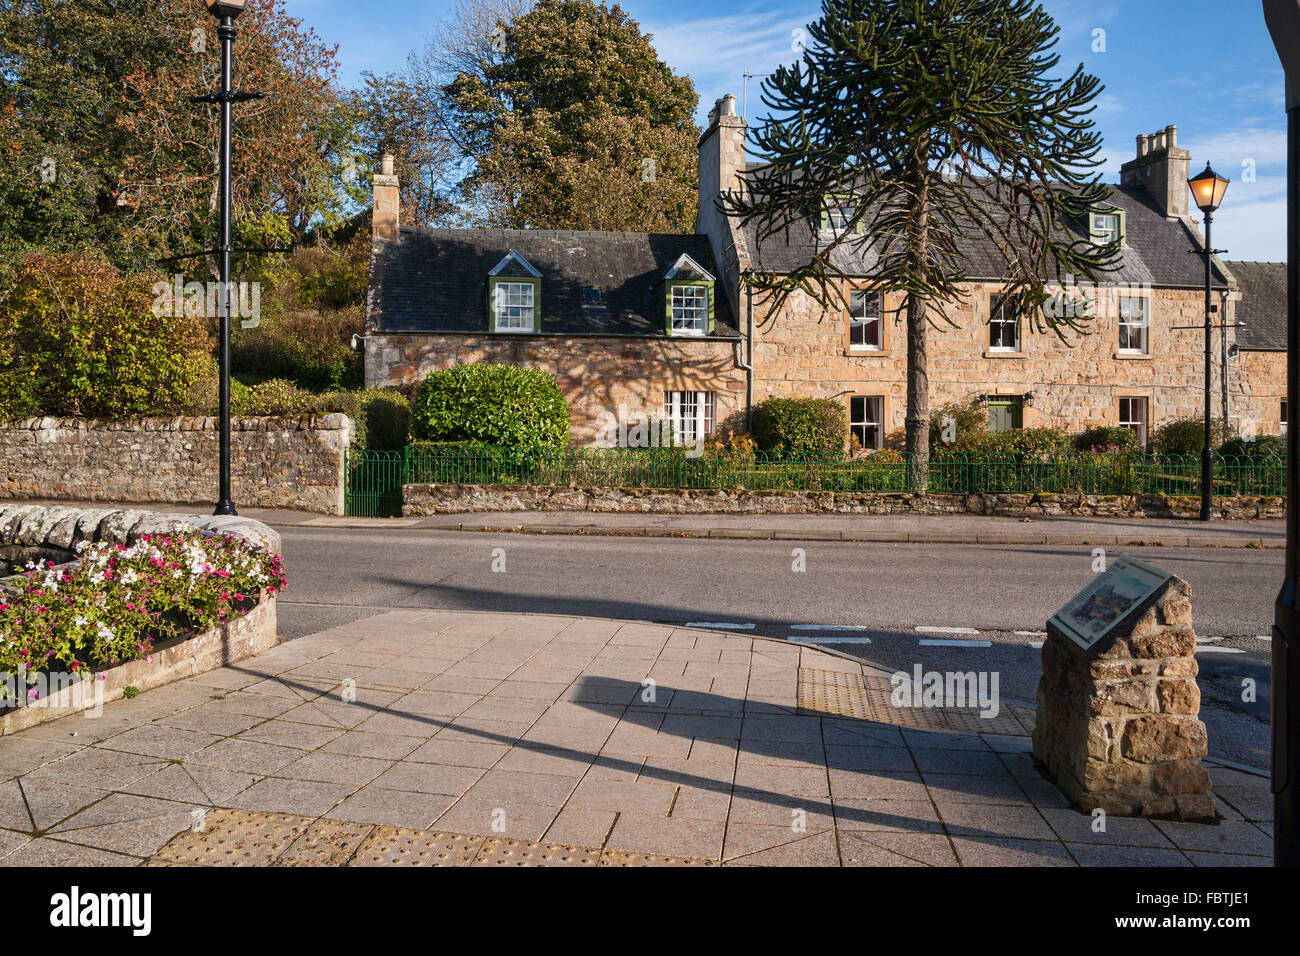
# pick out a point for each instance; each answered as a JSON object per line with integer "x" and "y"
{"x": 688, "y": 298}
{"x": 514, "y": 305}
{"x": 1106, "y": 226}
{"x": 838, "y": 213}
{"x": 690, "y": 310}
{"x": 514, "y": 294}
{"x": 592, "y": 299}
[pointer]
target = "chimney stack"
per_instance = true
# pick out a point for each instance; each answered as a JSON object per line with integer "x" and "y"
{"x": 1161, "y": 168}
{"x": 722, "y": 160}
{"x": 384, "y": 216}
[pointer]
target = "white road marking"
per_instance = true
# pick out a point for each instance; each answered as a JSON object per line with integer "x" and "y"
{"x": 1211, "y": 649}
{"x": 1036, "y": 645}
{"x": 941, "y": 643}
{"x": 800, "y": 639}
{"x": 946, "y": 630}
{"x": 1030, "y": 633}
{"x": 827, "y": 627}
{"x": 1264, "y": 637}
{"x": 1208, "y": 640}
{"x": 719, "y": 626}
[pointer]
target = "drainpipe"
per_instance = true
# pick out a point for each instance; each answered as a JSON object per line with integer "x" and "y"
{"x": 749, "y": 359}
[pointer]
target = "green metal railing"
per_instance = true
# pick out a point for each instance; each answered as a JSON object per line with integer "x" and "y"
{"x": 375, "y": 478}
{"x": 372, "y": 485}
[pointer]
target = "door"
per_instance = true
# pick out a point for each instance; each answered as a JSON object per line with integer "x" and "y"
{"x": 1004, "y": 413}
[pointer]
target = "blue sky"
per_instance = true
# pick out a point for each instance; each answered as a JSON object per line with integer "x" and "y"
{"x": 1223, "y": 89}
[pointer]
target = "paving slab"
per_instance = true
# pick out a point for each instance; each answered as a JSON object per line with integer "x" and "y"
{"x": 526, "y": 740}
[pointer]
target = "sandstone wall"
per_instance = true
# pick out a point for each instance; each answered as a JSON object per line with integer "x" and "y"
{"x": 803, "y": 350}
{"x": 595, "y": 374}
{"x": 431, "y": 499}
{"x": 1262, "y": 386}
{"x": 276, "y": 463}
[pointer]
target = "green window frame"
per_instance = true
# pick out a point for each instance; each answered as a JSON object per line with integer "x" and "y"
{"x": 670, "y": 326}
{"x": 835, "y": 201}
{"x": 494, "y": 318}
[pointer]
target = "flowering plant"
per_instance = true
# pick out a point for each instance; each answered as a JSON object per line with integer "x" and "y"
{"x": 118, "y": 600}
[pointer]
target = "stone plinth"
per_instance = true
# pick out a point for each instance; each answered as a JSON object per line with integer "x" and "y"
{"x": 1118, "y": 726}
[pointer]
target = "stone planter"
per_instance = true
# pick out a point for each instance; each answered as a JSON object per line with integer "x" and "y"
{"x": 28, "y": 531}
{"x": 224, "y": 644}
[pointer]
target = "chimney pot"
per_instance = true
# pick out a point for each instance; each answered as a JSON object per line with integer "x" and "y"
{"x": 1171, "y": 136}
{"x": 1142, "y": 145}
{"x": 386, "y": 164}
{"x": 727, "y": 105}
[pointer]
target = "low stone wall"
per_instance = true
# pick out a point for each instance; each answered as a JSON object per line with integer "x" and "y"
{"x": 276, "y": 462}
{"x": 432, "y": 499}
{"x": 53, "y": 533}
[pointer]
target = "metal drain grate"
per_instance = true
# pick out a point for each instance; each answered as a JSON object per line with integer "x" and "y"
{"x": 860, "y": 697}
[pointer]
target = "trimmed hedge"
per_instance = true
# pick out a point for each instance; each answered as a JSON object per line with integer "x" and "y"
{"x": 801, "y": 425}
{"x": 491, "y": 405}
{"x": 381, "y": 416}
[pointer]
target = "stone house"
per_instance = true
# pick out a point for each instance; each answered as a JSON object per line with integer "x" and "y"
{"x": 670, "y": 326}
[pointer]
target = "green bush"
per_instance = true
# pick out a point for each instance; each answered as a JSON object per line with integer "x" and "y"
{"x": 801, "y": 425}
{"x": 491, "y": 405}
{"x": 960, "y": 423}
{"x": 381, "y": 417}
{"x": 1109, "y": 438}
{"x": 1259, "y": 449}
{"x": 276, "y": 398}
{"x": 1186, "y": 436}
{"x": 312, "y": 306}
{"x": 1014, "y": 443}
{"x": 79, "y": 339}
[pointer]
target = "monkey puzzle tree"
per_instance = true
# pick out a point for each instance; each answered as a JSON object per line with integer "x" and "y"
{"x": 930, "y": 125}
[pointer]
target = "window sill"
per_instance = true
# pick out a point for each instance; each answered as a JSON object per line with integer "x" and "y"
{"x": 514, "y": 332}
{"x": 1133, "y": 356}
{"x": 994, "y": 354}
{"x": 866, "y": 353}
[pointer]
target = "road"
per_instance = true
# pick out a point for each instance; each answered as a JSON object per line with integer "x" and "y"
{"x": 801, "y": 590}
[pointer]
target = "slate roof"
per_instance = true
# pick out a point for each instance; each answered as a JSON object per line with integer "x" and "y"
{"x": 1263, "y": 305}
{"x": 435, "y": 280}
{"x": 1156, "y": 251}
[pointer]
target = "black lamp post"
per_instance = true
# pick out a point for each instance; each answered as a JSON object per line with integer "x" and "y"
{"x": 225, "y": 11}
{"x": 1207, "y": 189}
{"x": 1283, "y": 17}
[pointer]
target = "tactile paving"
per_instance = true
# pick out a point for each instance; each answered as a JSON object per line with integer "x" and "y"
{"x": 400, "y": 846}
{"x": 623, "y": 858}
{"x": 235, "y": 838}
{"x": 506, "y": 852}
{"x": 326, "y": 843}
